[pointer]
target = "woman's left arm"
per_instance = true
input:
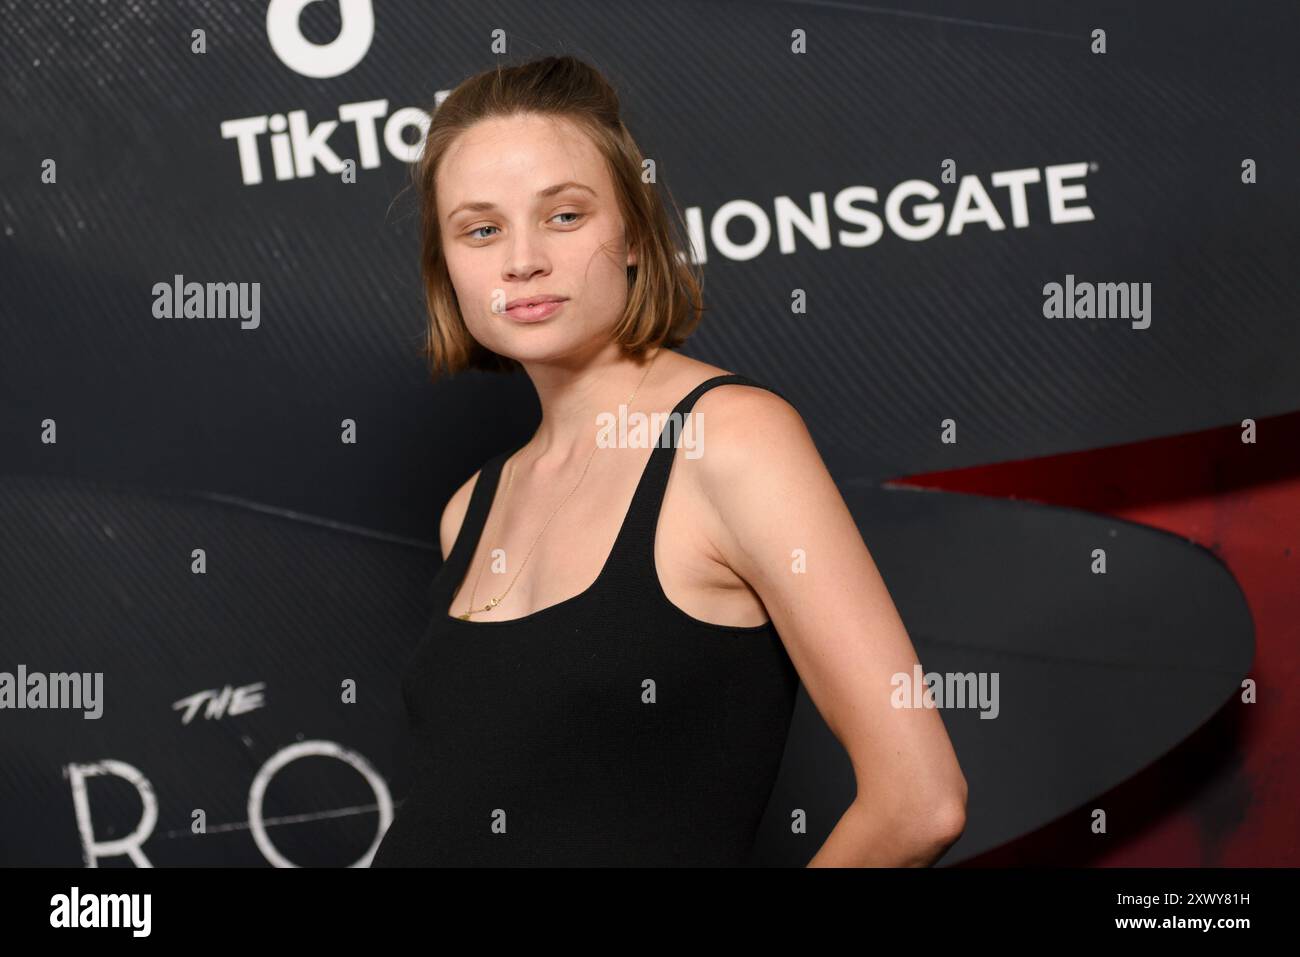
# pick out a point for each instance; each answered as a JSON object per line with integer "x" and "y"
{"x": 782, "y": 525}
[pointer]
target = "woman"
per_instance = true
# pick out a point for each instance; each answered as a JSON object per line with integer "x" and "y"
{"x": 620, "y": 629}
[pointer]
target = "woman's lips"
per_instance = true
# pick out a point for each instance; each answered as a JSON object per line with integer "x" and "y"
{"x": 535, "y": 313}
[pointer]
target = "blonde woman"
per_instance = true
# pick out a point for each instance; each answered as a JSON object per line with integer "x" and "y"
{"x": 621, "y": 624}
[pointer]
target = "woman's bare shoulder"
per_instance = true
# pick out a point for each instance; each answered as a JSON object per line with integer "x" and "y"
{"x": 453, "y": 514}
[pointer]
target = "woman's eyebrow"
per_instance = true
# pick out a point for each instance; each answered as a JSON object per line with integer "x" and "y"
{"x": 482, "y": 206}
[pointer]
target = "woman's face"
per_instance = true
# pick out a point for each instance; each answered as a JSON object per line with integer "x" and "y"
{"x": 509, "y": 234}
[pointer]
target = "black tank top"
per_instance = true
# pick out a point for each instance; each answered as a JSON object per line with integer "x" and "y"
{"x": 609, "y": 729}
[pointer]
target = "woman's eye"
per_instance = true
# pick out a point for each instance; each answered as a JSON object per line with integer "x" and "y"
{"x": 474, "y": 233}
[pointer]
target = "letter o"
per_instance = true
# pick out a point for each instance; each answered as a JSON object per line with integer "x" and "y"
{"x": 328, "y": 749}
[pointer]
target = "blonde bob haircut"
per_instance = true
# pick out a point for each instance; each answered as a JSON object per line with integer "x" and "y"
{"x": 664, "y": 289}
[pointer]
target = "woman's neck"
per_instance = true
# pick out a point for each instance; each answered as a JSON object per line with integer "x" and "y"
{"x": 572, "y": 397}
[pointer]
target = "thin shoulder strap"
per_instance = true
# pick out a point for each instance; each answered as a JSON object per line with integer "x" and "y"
{"x": 471, "y": 527}
{"x": 634, "y": 548}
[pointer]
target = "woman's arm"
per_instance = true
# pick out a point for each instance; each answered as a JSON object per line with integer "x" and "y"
{"x": 868, "y": 837}
{"x": 782, "y": 525}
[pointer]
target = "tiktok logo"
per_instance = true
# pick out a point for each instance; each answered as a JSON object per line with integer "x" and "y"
{"x": 315, "y": 59}
{"x": 300, "y": 147}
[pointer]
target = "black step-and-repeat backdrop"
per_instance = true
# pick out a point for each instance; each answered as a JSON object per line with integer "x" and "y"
{"x": 948, "y": 235}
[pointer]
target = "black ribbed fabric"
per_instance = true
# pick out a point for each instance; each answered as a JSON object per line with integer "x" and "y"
{"x": 610, "y": 729}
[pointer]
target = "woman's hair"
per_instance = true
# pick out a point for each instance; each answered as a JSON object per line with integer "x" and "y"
{"x": 664, "y": 292}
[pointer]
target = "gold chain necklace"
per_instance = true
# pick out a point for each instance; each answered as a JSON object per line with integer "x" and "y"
{"x": 505, "y": 495}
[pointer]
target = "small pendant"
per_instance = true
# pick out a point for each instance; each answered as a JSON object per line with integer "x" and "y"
{"x": 492, "y": 604}
{"x": 464, "y": 617}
